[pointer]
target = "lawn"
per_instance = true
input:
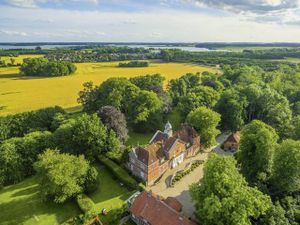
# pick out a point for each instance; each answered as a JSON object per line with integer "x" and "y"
{"x": 21, "y": 204}
{"x": 19, "y": 93}
{"x": 110, "y": 194}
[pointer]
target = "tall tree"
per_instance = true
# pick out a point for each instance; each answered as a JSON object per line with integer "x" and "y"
{"x": 205, "y": 121}
{"x": 286, "y": 170}
{"x": 257, "y": 146}
{"x": 232, "y": 107}
{"x": 224, "y": 197}
{"x": 86, "y": 135}
{"x": 61, "y": 176}
{"x": 114, "y": 119}
{"x": 196, "y": 97}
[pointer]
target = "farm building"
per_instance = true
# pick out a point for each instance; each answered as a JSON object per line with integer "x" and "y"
{"x": 232, "y": 142}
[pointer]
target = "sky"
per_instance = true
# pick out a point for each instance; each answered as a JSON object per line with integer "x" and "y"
{"x": 150, "y": 20}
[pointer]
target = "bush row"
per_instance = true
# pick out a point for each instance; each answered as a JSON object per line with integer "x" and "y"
{"x": 119, "y": 172}
{"x": 180, "y": 174}
{"x": 134, "y": 64}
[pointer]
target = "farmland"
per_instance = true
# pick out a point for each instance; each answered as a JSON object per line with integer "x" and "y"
{"x": 19, "y": 93}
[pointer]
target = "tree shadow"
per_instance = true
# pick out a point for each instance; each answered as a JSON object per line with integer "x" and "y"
{"x": 10, "y": 76}
{"x": 18, "y": 76}
{"x": 188, "y": 206}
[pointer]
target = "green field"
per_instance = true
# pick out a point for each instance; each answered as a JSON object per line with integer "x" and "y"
{"x": 21, "y": 203}
{"x": 19, "y": 93}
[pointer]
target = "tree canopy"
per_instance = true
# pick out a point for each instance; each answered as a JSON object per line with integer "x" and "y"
{"x": 286, "y": 168}
{"x": 205, "y": 121}
{"x": 224, "y": 197}
{"x": 61, "y": 176}
{"x": 257, "y": 146}
{"x": 44, "y": 67}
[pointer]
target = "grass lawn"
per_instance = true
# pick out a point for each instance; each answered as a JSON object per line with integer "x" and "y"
{"x": 19, "y": 93}
{"x": 21, "y": 204}
{"x": 110, "y": 194}
{"x": 138, "y": 138}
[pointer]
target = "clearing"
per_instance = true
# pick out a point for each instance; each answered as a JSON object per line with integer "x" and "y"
{"x": 19, "y": 93}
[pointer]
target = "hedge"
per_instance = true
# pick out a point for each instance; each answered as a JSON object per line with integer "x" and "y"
{"x": 180, "y": 174}
{"x": 85, "y": 204}
{"x": 119, "y": 172}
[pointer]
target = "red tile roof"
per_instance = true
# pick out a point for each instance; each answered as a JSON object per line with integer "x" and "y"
{"x": 185, "y": 133}
{"x": 174, "y": 203}
{"x": 156, "y": 211}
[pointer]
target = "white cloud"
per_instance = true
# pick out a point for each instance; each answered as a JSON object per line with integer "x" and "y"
{"x": 12, "y": 32}
{"x": 36, "y": 3}
{"x": 162, "y": 25}
{"x": 267, "y": 11}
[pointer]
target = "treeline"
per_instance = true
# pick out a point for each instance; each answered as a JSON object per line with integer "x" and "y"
{"x": 134, "y": 64}
{"x": 24, "y": 136}
{"x": 103, "y": 54}
{"x": 44, "y": 67}
{"x": 266, "y": 59}
{"x": 247, "y": 45}
{"x": 142, "y": 99}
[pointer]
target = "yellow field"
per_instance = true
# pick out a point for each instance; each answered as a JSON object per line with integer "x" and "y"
{"x": 19, "y": 59}
{"x": 19, "y": 93}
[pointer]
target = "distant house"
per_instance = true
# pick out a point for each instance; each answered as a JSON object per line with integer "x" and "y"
{"x": 232, "y": 142}
{"x": 165, "y": 150}
{"x": 148, "y": 208}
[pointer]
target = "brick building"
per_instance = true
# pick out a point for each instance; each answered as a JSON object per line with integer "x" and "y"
{"x": 165, "y": 150}
{"x": 148, "y": 208}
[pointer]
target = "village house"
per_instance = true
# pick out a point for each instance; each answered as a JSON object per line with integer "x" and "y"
{"x": 165, "y": 150}
{"x": 148, "y": 208}
{"x": 232, "y": 142}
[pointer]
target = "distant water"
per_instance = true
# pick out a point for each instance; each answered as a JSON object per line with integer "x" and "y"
{"x": 185, "y": 48}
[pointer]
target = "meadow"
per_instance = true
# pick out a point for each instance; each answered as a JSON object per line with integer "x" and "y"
{"x": 19, "y": 93}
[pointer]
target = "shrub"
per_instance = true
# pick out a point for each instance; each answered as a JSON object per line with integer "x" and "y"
{"x": 91, "y": 181}
{"x": 180, "y": 174}
{"x": 119, "y": 172}
{"x": 134, "y": 64}
{"x": 86, "y": 204}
